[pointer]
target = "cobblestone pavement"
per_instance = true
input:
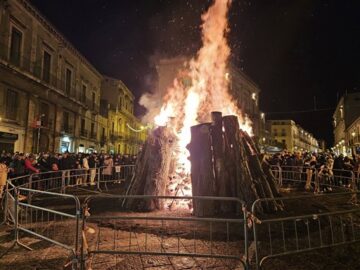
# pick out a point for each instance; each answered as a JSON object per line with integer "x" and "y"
{"x": 110, "y": 239}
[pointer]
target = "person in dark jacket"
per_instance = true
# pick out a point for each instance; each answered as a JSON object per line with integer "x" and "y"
{"x": 66, "y": 164}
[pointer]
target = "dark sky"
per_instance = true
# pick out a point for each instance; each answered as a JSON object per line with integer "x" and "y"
{"x": 294, "y": 50}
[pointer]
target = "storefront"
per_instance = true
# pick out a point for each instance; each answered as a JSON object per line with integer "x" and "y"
{"x": 7, "y": 142}
{"x": 11, "y": 139}
{"x": 66, "y": 144}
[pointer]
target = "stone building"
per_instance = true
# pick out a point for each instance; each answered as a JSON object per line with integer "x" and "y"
{"x": 291, "y": 136}
{"x": 346, "y": 121}
{"x": 246, "y": 94}
{"x": 126, "y": 132}
{"x": 49, "y": 93}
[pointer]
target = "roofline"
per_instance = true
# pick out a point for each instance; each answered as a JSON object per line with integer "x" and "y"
{"x": 247, "y": 77}
{"x": 121, "y": 82}
{"x": 50, "y": 27}
{"x": 297, "y": 125}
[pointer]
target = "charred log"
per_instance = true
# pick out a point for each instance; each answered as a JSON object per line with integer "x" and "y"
{"x": 152, "y": 170}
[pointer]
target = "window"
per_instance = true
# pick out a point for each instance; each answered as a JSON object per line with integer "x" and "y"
{"x": 66, "y": 121}
{"x": 113, "y": 128}
{"x": 44, "y": 112}
{"x": 11, "y": 104}
{"x": 283, "y": 132}
{"x": 120, "y": 125}
{"x": 15, "y": 46}
{"x": 93, "y": 100}
{"x": 92, "y": 130}
{"x": 120, "y": 102}
{"x": 83, "y": 94}
{"x": 82, "y": 125}
{"x": 68, "y": 75}
{"x": 46, "y": 66}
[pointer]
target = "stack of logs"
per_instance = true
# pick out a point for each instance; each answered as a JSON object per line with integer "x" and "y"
{"x": 224, "y": 163}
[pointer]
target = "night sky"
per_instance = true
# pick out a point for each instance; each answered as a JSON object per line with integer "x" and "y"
{"x": 294, "y": 50}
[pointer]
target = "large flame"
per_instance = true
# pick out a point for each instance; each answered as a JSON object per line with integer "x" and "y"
{"x": 205, "y": 86}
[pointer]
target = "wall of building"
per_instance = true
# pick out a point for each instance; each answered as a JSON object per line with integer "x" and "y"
{"x": 126, "y": 132}
{"x": 292, "y": 136}
{"x": 345, "y": 121}
{"x": 44, "y": 90}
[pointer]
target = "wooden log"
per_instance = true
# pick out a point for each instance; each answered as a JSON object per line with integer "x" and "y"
{"x": 236, "y": 163}
{"x": 262, "y": 184}
{"x": 202, "y": 176}
{"x": 222, "y": 183}
{"x": 152, "y": 170}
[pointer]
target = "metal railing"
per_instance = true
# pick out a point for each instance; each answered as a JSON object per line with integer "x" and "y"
{"x": 31, "y": 207}
{"x": 316, "y": 179}
{"x": 170, "y": 233}
{"x": 44, "y": 222}
{"x": 299, "y": 232}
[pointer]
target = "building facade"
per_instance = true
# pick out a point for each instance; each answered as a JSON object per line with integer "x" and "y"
{"x": 126, "y": 134}
{"x": 246, "y": 93}
{"x": 346, "y": 124}
{"x": 49, "y": 93}
{"x": 291, "y": 136}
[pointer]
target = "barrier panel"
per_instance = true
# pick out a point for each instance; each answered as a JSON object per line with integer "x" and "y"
{"x": 160, "y": 233}
{"x": 120, "y": 173}
{"x": 292, "y": 234}
{"x": 48, "y": 222}
{"x": 38, "y": 205}
{"x": 315, "y": 179}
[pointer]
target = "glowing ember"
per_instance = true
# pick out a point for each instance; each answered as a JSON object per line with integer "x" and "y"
{"x": 203, "y": 89}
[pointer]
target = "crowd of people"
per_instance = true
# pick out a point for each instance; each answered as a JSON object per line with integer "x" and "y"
{"x": 332, "y": 169}
{"x": 18, "y": 164}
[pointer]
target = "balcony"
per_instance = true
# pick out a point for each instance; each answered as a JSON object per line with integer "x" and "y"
{"x": 92, "y": 106}
{"x": 103, "y": 140}
{"x": 48, "y": 78}
{"x": 83, "y": 133}
{"x": 114, "y": 136}
{"x": 67, "y": 129}
{"x": 93, "y": 135}
{"x": 19, "y": 61}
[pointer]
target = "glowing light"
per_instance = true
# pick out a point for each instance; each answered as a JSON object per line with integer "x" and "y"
{"x": 200, "y": 88}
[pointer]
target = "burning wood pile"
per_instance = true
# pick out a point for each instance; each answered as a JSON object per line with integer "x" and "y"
{"x": 195, "y": 154}
{"x": 224, "y": 163}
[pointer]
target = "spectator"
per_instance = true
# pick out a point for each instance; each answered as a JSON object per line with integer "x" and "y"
{"x": 108, "y": 170}
{"x": 3, "y": 175}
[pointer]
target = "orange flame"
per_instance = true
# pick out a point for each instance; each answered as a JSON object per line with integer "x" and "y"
{"x": 205, "y": 86}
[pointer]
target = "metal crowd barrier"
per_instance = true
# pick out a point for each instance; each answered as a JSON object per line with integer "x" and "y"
{"x": 314, "y": 179}
{"x": 280, "y": 236}
{"x": 175, "y": 234}
{"x": 118, "y": 232}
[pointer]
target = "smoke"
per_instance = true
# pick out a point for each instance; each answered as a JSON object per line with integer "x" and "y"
{"x": 152, "y": 104}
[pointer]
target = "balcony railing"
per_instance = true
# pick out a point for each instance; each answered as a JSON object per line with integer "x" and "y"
{"x": 67, "y": 129}
{"x": 92, "y": 106}
{"x": 24, "y": 63}
{"x": 83, "y": 133}
{"x": 93, "y": 135}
